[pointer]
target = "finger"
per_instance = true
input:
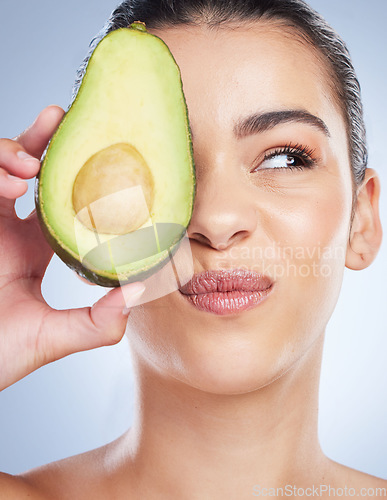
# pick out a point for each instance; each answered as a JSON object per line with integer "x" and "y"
{"x": 15, "y": 166}
{"x": 11, "y": 187}
{"x": 16, "y": 161}
{"x": 36, "y": 137}
{"x": 67, "y": 332}
{"x": 40, "y": 252}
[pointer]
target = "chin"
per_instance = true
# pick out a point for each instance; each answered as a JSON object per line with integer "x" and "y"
{"x": 228, "y": 384}
{"x": 223, "y": 366}
{"x": 221, "y": 355}
{"x": 234, "y": 372}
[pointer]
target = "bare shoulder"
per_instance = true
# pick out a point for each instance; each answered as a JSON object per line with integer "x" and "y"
{"x": 17, "y": 488}
{"x": 65, "y": 478}
{"x": 87, "y": 475}
{"x": 365, "y": 485}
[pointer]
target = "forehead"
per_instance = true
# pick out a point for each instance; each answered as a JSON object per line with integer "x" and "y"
{"x": 240, "y": 69}
{"x": 242, "y": 56}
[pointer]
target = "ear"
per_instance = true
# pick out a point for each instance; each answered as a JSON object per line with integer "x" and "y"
{"x": 366, "y": 231}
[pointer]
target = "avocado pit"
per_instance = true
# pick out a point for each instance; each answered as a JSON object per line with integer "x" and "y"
{"x": 114, "y": 190}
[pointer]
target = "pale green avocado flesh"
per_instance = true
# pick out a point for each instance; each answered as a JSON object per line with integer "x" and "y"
{"x": 132, "y": 208}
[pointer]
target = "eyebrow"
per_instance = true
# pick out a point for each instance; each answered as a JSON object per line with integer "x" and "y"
{"x": 258, "y": 123}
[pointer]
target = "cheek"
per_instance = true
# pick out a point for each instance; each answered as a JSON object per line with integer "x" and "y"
{"x": 309, "y": 210}
{"x": 309, "y": 228}
{"x": 312, "y": 219}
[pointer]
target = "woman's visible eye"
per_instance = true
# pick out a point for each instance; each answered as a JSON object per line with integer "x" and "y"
{"x": 289, "y": 157}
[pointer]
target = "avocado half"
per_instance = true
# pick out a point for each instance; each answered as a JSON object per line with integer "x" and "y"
{"x": 116, "y": 187}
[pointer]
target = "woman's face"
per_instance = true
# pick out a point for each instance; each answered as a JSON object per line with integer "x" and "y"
{"x": 275, "y": 199}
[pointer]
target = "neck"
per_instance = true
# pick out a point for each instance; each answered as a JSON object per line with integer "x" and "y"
{"x": 203, "y": 445}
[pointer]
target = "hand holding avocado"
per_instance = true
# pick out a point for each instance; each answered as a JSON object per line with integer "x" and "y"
{"x": 31, "y": 332}
{"x": 114, "y": 197}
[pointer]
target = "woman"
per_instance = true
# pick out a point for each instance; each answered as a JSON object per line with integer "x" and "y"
{"x": 227, "y": 368}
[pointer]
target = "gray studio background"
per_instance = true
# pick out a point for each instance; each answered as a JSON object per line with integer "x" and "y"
{"x": 85, "y": 400}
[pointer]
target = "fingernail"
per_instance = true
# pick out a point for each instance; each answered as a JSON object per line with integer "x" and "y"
{"x": 131, "y": 298}
{"x": 25, "y": 156}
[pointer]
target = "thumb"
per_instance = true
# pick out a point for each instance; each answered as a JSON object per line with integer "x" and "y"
{"x": 36, "y": 137}
{"x": 87, "y": 328}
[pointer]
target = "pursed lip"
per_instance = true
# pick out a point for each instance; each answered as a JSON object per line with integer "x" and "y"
{"x": 226, "y": 281}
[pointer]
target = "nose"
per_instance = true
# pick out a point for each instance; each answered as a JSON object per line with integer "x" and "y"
{"x": 224, "y": 212}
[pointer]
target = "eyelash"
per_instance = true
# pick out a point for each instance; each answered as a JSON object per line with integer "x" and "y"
{"x": 298, "y": 151}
